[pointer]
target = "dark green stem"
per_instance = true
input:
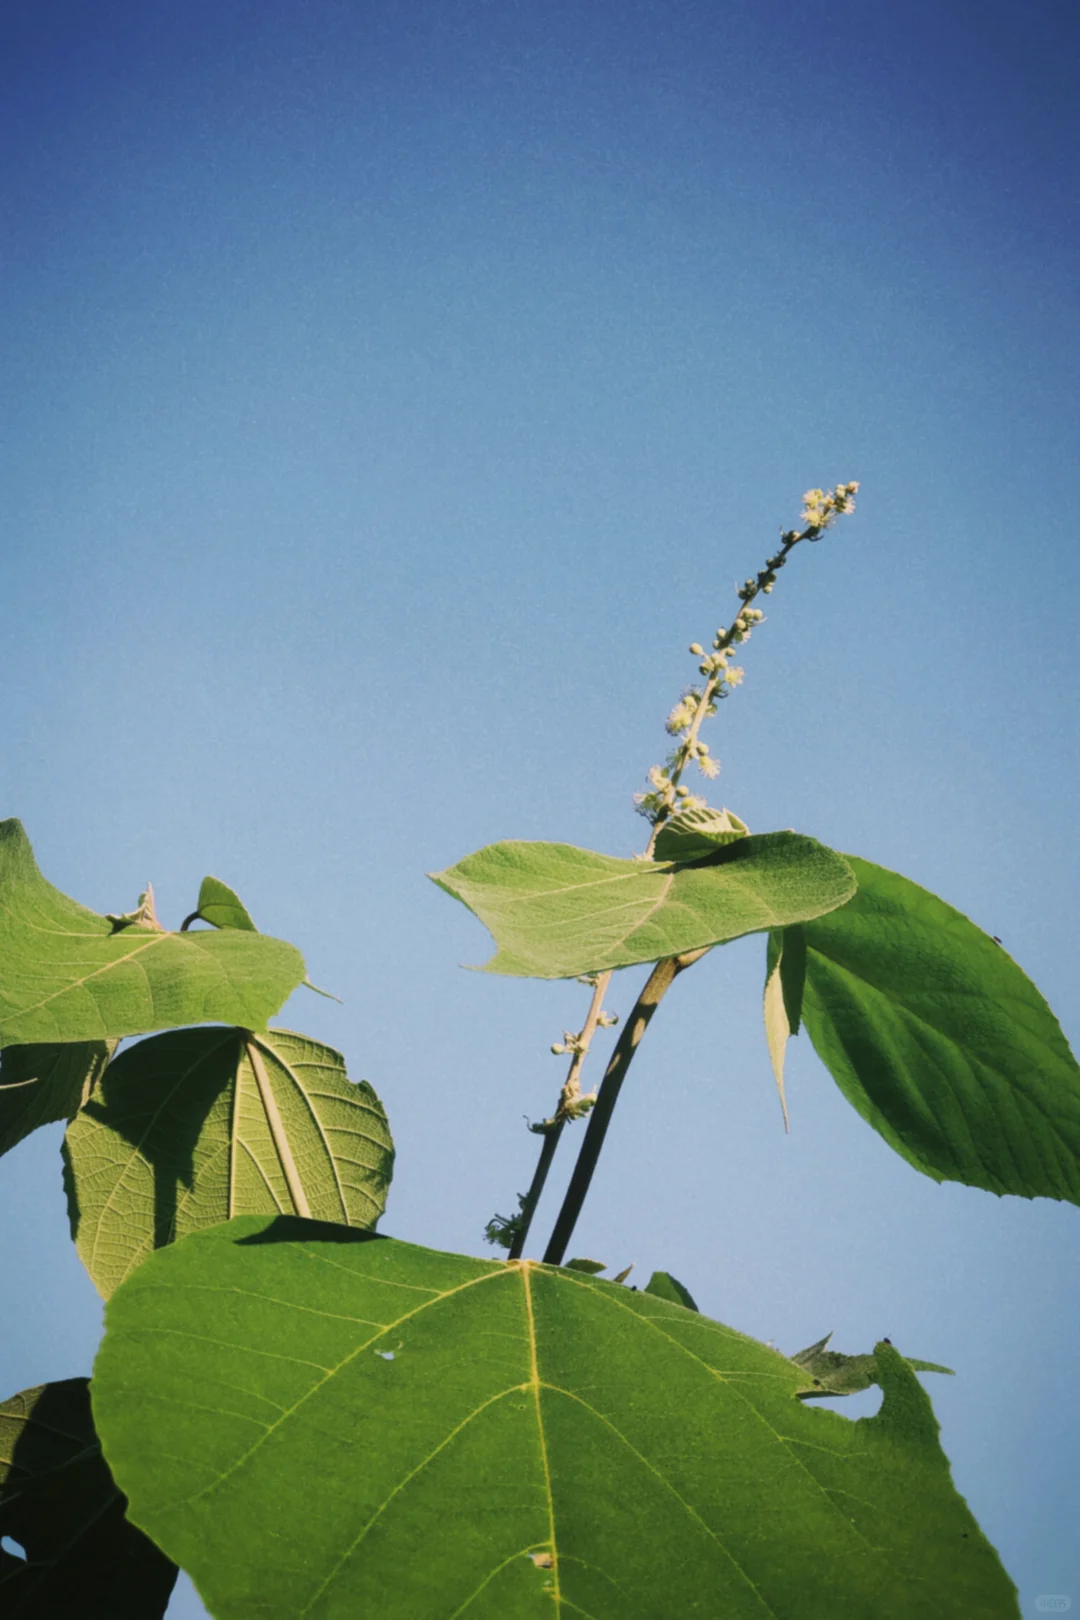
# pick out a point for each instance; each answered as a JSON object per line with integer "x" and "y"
{"x": 532, "y": 1197}
{"x": 659, "y": 982}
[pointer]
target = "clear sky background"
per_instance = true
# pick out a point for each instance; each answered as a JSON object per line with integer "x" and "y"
{"x": 391, "y": 391}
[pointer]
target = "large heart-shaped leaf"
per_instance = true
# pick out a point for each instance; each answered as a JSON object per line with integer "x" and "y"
{"x": 940, "y": 1041}
{"x": 41, "y": 1084}
{"x": 557, "y": 911}
{"x": 190, "y": 1128}
{"x": 59, "y": 1504}
{"x": 318, "y": 1425}
{"x": 68, "y": 974}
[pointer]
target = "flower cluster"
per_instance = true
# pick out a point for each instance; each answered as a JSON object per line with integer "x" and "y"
{"x": 666, "y": 795}
{"x": 821, "y": 507}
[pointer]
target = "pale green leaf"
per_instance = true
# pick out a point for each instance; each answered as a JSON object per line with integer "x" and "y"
{"x": 557, "y": 911}
{"x": 692, "y": 835}
{"x": 68, "y": 974}
{"x": 590, "y": 1267}
{"x": 190, "y": 1128}
{"x": 315, "y": 1424}
{"x": 59, "y": 1504}
{"x": 665, "y": 1286}
{"x": 221, "y": 906}
{"x": 41, "y": 1084}
{"x": 785, "y": 974}
{"x": 940, "y": 1041}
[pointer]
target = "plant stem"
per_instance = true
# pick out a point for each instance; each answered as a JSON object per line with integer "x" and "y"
{"x": 659, "y": 982}
{"x": 536, "y": 1187}
{"x": 568, "y": 1095}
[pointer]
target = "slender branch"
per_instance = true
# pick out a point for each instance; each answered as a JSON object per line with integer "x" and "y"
{"x": 659, "y": 982}
{"x": 551, "y": 1135}
{"x": 553, "y": 1128}
{"x": 277, "y": 1131}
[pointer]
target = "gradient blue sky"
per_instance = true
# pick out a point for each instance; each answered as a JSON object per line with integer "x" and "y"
{"x": 391, "y": 392}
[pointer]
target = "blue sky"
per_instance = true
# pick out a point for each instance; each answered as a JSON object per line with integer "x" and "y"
{"x": 391, "y": 393}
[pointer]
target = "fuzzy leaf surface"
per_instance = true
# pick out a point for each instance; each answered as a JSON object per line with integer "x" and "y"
{"x": 557, "y": 911}
{"x": 691, "y": 835}
{"x": 59, "y": 1503}
{"x": 68, "y": 974}
{"x": 321, "y": 1423}
{"x": 941, "y": 1042}
{"x": 41, "y": 1084}
{"x": 178, "y": 1138}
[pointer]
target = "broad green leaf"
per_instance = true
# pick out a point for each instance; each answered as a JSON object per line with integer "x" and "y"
{"x": 68, "y": 974}
{"x": 557, "y": 911}
{"x": 190, "y": 1128}
{"x": 940, "y": 1041}
{"x": 691, "y": 835}
{"x": 40, "y": 1084}
{"x": 59, "y": 1504}
{"x": 318, "y": 1423}
{"x": 221, "y": 906}
{"x": 785, "y": 976}
{"x": 665, "y": 1286}
{"x": 832, "y": 1373}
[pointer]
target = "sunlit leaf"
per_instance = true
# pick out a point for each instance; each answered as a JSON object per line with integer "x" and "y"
{"x": 315, "y": 1422}
{"x": 59, "y": 1504}
{"x": 40, "y": 1084}
{"x": 68, "y": 974}
{"x": 190, "y": 1128}
{"x": 557, "y": 911}
{"x": 221, "y": 906}
{"x": 785, "y": 976}
{"x": 940, "y": 1041}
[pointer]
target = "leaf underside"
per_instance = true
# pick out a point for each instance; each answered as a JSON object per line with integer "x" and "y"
{"x": 41, "y": 1084}
{"x": 557, "y": 911}
{"x": 58, "y": 1503}
{"x": 318, "y": 1424}
{"x": 178, "y": 1139}
{"x": 941, "y": 1042}
{"x": 68, "y": 974}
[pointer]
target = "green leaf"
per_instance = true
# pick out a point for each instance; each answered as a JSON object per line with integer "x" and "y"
{"x": 831, "y": 1373}
{"x": 316, "y": 1422}
{"x": 785, "y": 976}
{"x": 665, "y": 1286}
{"x": 40, "y": 1084}
{"x": 221, "y": 906}
{"x": 68, "y": 974}
{"x": 557, "y": 911}
{"x": 58, "y": 1503}
{"x": 692, "y": 835}
{"x": 193, "y": 1127}
{"x": 940, "y": 1041}
{"x": 590, "y": 1267}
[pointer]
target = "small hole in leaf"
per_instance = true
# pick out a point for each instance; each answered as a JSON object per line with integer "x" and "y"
{"x": 542, "y": 1560}
{"x": 11, "y": 1546}
{"x": 387, "y": 1355}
